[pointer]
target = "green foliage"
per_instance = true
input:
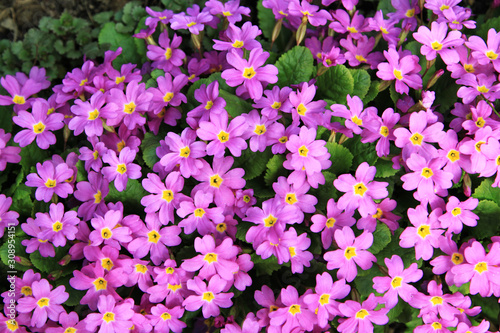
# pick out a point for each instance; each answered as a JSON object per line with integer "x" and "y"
{"x": 372, "y": 92}
{"x": 381, "y": 238}
{"x": 265, "y": 267}
{"x": 235, "y": 105}
{"x": 19, "y": 250}
{"x": 295, "y": 66}
{"x": 485, "y": 191}
{"x": 254, "y": 164}
{"x": 385, "y": 169}
{"x": 148, "y": 148}
{"x": 341, "y": 158}
{"x": 488, "y": 212}
{"x": 362, "y": 82}
{"x": 274, "y": 169}
{"x": 49, "y": 264}
{"x": 335, "y": 84}
{"x": 109, "y": 37}
{"x": 130, "y": 197}
{"x": 266, "y": 20}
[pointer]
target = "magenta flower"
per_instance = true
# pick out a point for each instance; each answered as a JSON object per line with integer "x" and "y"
{"x": 92, "y": 194}
{"x": 39, "y": 124}
{"x": 8, "y": 218}
{"x": 304, "y": 108}
{"x": 476, "y": 85}
{"x": 361, "y": 317}
{"x": 389, "y": 31}
{"x": 45, "y": 302}
{"x": 352, "y": 252}
{"x": 360, "y": 191}
{"x": 108, "y": 231}
{"x": 381, "y": 129}
{"x": 306, "y": 151}
{"x": 45, "y": 248}
{"x": 121, "y": 168}
{"x": 210, "y": 298}
{"x": 424, "y": 236}
{"x": 168, "y": 92}
{"x": 210, "y": 101}
{"x": 335, "y": 219}
{"x": 69, "y": 322}
{"x": 222, "y": 135}
{"x": 7, "y": 154}
{"x": 397, "y": 282}
{"x": 384, "y": 214}
{"x": 87, "y": 115}
{"x": 294, "y": 194}
{"x": 167, "y": 319}
{"x": 57, "y": 225}
{"x": 213, "y": 260}
{"x": 361, "y": 52}
{"x": 220, "y": 181}
{"x": 20, "y": 92}
{"x": 343, "y": 23}
{"x": 308, "y": 12}
{"x": 406, "y": 11}
{"x": 112, "y": 317}
{"x": 294, "y": 315}
{"x": 488, "y": 52}
{"x": 230, "y": 10}
{"x": 259, "y": 130}
{"x": 454, "y": 256}
{"x": 355, "y": 115}
{"x": 480, "y": 269}
{"x": 194, "y": 21}
{"x": 165, "y": 197}
{"x": 404, "y": 69}
{"x": 459, "y": 213}
{"x": 323, "y": 300}
{"x": 50, "y": 180}
{"x": 238, "y": 39}
{"x": 436, "y": 41}
{"x": 167, "y": 55}
{"x": 250, "y": 73}
{"x": 201, "y": 218}
{"x": 297, "y": 246}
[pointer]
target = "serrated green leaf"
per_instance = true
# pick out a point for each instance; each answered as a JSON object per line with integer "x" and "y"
{"x": 265, "y": 266}
{"x": 31, "y": 155}
{"x": 483, "y": 29}
{"x": 362, "y": 152}
{"x": 489, "y": 306}
{"x": 341, "y": 158}
{"x": 362, "y": 82}
{"x": 157, "y": 73}
{"x": 130, "y": 197}
{"x": 364, "y": 280}
{"x": 19, "y": 250}
{"x": 485, "y": 191}
{"x": 49, "y": 264}
{"x": 487, "y": 225}
{"x": 21, "y": 200}
{"x": 242, "y": 230}
{"x": 6, "y": 113}
{"x": 148, "y": 148}
{"x": 372, "y": 92}
{"x": 110, "y": 36}
{"x": 235, "y": 105}
{"x": 463, "y": 289}
{"x": 274, "y": 169}
{"x": 385, "y": 169}
{"x": 326, "y": 191}
{"x": 381, "y": 238}
{"x": 295, "y": 66}
{"x": 336, "y": 83}
{"x": 266, "y": 20}
{"x": 254, "y": 164}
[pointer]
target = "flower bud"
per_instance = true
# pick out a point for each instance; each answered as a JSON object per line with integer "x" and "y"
{"x": 23, "y": 261}
{"x": 434, "y": 78}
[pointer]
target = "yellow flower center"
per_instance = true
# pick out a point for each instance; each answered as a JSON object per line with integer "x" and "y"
{"x": 480, "y": 122}
{"x": 221, "y": 227}
{"x": 174, "y": 287}
{"x": 153, "y": 236}
{"x": 361, "y": 314}
{"x": 223, "y": 136}
{"x": 360, "y": 189}
{"x": 378, "y": 214}
{"x": 190, "y": 24}
{"x": 357, "y": 121}
{"x": 456, "y": 211}
{"x": 165, "y": 316}
{"x": 492, "y": 55}
{"x": 291, "y": 198}
{"x": 270, "y": 221}
{"x": 397, "y": 74}
{"x": 249, "y": 73}
{"x": 226, "y": 13}
{"x": 291, "y": 249}
{"x": 324, "y": 299}
{"x": 12, "y": 325}
{"x": 276, "y": 105}
{"x": 168, "y": 53}
{"x": 169, "y": 270}
{"x": 436, "y": 300}
{"x": 330, "y": 222}
{"x": 119, "y": 79}
{"x": 427, "y": 173}
{"x": 416, "y": 139}
{"x": 453, "y": 155}
{"x": 120, "y": 145}
{"x": 167, "y": 195}
{"x": 469, "y": 68}
{"x": 481, "y": 267}
{"x": 283, "y": 139}
{"x": 209, "y": 105}
{"x": 82, "y": 82}
{"x": 199, "y": 212}
{"x": 70, "y": 330}
{"x": 352, "y": 30}
{"x": 215, "y": 181}
{"x": 260, "y": 129}
{"x": 18, "y": 99}
{"x": 121, "y": 168}
{"x": 457, "y": 258}
{"x": 108, "y": 316}
{"x": 44, "y": 301}
{"x": 107, "y": 264}
{"x": 168, "y": 97}
{"x": 106, "y": 233}
{"x": 26, "y": 291}
{"x": 384, "y": 30}
{"x": 50, "y": 183}
{"x": 98, "y": 197}
{"x": 93, "y": 115}
{"x": 360, "y": 58}
{"x": 396, "y": 282}
{"x": 350, "y": 252}
{"x": 303, "y": 151}
{"x": 436, "y": 326}
{"x": 301, "y": 109}
{"x": 208, "y": 296}
{"x": 50, "y": 111}
{"x": 57, "y": 226}
{"x": 478, "y": 145}
{"x": 410, "y": 13}
{"x": 38, "y": 127}
{"x": 444, "y": 7}
{"x": 424, "y": 231}
{"x": 141, "y": 268}
{"x": 100, "y": 284}
{"x": 482, "y": 89}
{"x": 184, "y": 152}
{"x": 246, "y": 198}
{"x": 294, "y": 309}
{"x": 129, "y": 108}
{"x": 238, "y": 44}
{"x": 210, "y": 257}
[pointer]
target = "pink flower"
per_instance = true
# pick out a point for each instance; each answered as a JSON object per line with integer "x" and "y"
{"x": 360, "y": 191}
{"x": 250, "y": 73}
{"x": 163, "y": 318}
{"x": 486, "y": 53}
{"x": 435, "y": 41}
{"x": 8, "y": 218}
{"x": 304, "y": 108}
{"x": 210, "y": 298}
{"x": 50, "y": 180}
{"x": 459, "y": 213}
{"x": 361, "y": 317}
{"x": 351, "y": 253}
{"x": 167, "y": 55}
{"x": 87, "y": 115}
{"x": 404, "y": 69}
{"x": 121, "y": 168}
{"x": 8, "y": 154}
{"x": 294, "y": 314}
{"x": 112, "y": 317}
{"x": 57, "y": 225}
{"x": 108, "y": 231}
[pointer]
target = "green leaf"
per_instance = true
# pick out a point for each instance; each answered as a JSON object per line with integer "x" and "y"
{"x": 49, "y": 264}
{"x": 341, "y": 158}
{"x": 242, "y": 230}
{"x": 274, "y": 169}
{"x": 364, "y": 280}
{"x": 385, "y": 169}
{"x": 31, "y": 155}
{"x": 266, "y": 20}
{"x": 265, "y": 266}
{"x": 381, "y": 238}
{"x": 157, "y": 73}
{"x": 295, "y": 66}
{"x": 130, "y": 197}
{"x": 6, "y": 113}
{"x": 372, "y": 92}
{"x": 482, "y": 30}
{"x": 148, "y": 147}
{"x": 254, "y": 164}
{"x": 489, "y": 306}
{"x": 362, "y": 152}
{"x": 110, "y": 36}
{"x": 463, "y": 289}
{"x": 19, "y": 250}
{"x": 336, "y": 83}
{"x": 487, "y": 225}
{"x": 326, "y": 191}
{"x": 485, "y": 191}
{"x": 362, "y": 82}
{"x": 21, "y": 201}
{"x": 235, "y": 105}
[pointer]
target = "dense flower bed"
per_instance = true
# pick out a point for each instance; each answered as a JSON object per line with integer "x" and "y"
{"x": 327, "y": 170}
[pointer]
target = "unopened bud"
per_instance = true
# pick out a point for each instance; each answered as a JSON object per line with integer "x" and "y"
{"x": 23, "y": 261}
{"x": 65, "y": 260}
{"x": 276, "y": 30}
{"x": 430, "y": 63}
{"x": 416, "y": 107}
{"x": 196, "y": 41}
{"x": 54, "y": 275}
{"x": 150, "y": 40}
{"x": 434, "y": 78}
{"x": 467, "y": 185}
{"x": 421, "y": 4}
{"x": 402, "y": 36}
{"x": 301, "y": 33}
{"x": 384, "y": 85}
{"x": 66, "y": 133}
